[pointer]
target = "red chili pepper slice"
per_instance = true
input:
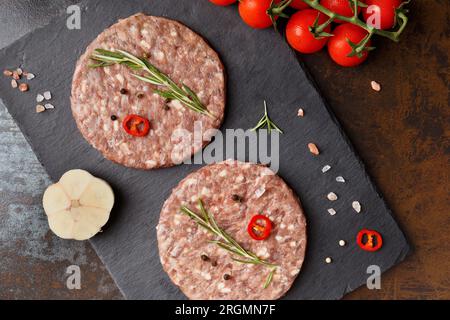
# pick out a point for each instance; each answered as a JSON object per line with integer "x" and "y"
{"x": 369, "y": 240}
{"x": 136, "y": 126}
{"x": 259, "y": 231}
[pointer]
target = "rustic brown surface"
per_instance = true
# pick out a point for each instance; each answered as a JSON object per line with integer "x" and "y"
{"x": 33, "y": 261}
{"x": 402, "y": 134}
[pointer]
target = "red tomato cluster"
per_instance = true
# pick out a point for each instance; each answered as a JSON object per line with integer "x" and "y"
{"x": 299, "y": 4}
{"x": 254, "y": 13}
{"x": 260, "y": 14}
{"x": 385, "y": 10}
{"x": 298, "y": 34}
{"x": 339, "y": 48}
{"x": 223, "y": 2}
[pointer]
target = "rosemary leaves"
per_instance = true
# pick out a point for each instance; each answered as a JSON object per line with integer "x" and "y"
{"x": 267, "y": 122}
{"x": 226, "y": 242}
{"x": 171, "y": 91}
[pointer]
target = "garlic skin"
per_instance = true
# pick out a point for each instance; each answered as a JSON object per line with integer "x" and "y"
{"x": 78, "y": 206}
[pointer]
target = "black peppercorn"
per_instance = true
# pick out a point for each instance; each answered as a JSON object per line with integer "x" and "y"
{"x": 204, "y": 257}
{"x": 236, "y": 198}
{"x": 140, "y": 95}
{"x": 214, "y": 263}
{"x": 226, "y": 277}
{"x": 113, "y": 118}
{"x": 123, "y": 91}
{"x": 166, "y": 107}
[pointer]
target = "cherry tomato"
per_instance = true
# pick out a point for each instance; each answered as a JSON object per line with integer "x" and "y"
{"x": 223, "y": 2}
{"x": 254, "y": 13}
{"x": 299, "y": 5}
{"x": 339, "y": 48}
{"x": 298, "y": 34}
{"x": 341, "y": 7}
{"x": 385, "y": 9}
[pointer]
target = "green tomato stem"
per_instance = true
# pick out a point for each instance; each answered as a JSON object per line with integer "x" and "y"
{"x": 279, "y": 8}
{"x": 392, "y": 35}
{"x": 362, "y": 45}
{"x": 276, "y": 10}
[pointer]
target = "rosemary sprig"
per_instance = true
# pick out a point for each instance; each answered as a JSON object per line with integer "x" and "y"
{"x": 266, "y": 121}
{"x": 183, "y": 94}
{"x": 270, "y": 278}
{"x": 207, "y": 221}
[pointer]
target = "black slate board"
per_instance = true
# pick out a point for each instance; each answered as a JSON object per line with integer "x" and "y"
{"x": 260, "y": 66}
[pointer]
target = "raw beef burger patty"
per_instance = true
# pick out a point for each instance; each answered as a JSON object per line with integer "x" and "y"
{"x": 177, "y": 51}
{"x": 182, "y": 243}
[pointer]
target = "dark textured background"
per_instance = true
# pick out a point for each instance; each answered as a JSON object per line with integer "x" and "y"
{"x": 402, "y": 135}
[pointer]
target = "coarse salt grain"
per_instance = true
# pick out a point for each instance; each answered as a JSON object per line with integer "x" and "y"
{"x": 14, "y": 83}
{"x": 19, "y": 71}
{"x": 332, "y": 196}
{"x": 340, "y": 179}
{"x": 342, "y": 243}
{"x": 30, "y": 76}
{"x": 332, "y": 212}
{"x": 376, "y": 86}
{"x": 49, "y": 106}
{"x": 326, "y": 169}
{"x": 7, "y": 73}
{"x": 23, "y": 87}
{"x": 40, "y": 98}
{"x": 47, "y": 95}
{"x": 356, "y": 206}
{"x": 40, "y": 108}
{"x": 301, "y": 113}
{"x": 259, "y": 192}
{"x": 328, "y": 260}
{"x": 313, "y": 149}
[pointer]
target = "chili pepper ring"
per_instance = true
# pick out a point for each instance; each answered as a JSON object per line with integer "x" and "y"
{"x": 259, "y": 231}
{"x": 136, "y": 125}
{"x": 369, "y": 244}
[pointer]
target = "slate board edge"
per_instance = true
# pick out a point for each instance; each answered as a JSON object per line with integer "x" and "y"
{"x": 402, "y": 255}
{"x": 408, "y": 250}
{"x": 355, "y": 152}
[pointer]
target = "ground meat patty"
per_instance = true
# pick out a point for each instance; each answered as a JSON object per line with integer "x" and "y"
{"x": 182, "y": 243}
{"x": 175, "y": 50}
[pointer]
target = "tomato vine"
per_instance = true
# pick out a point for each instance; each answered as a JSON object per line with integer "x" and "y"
{"x": 358, "y": 48}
